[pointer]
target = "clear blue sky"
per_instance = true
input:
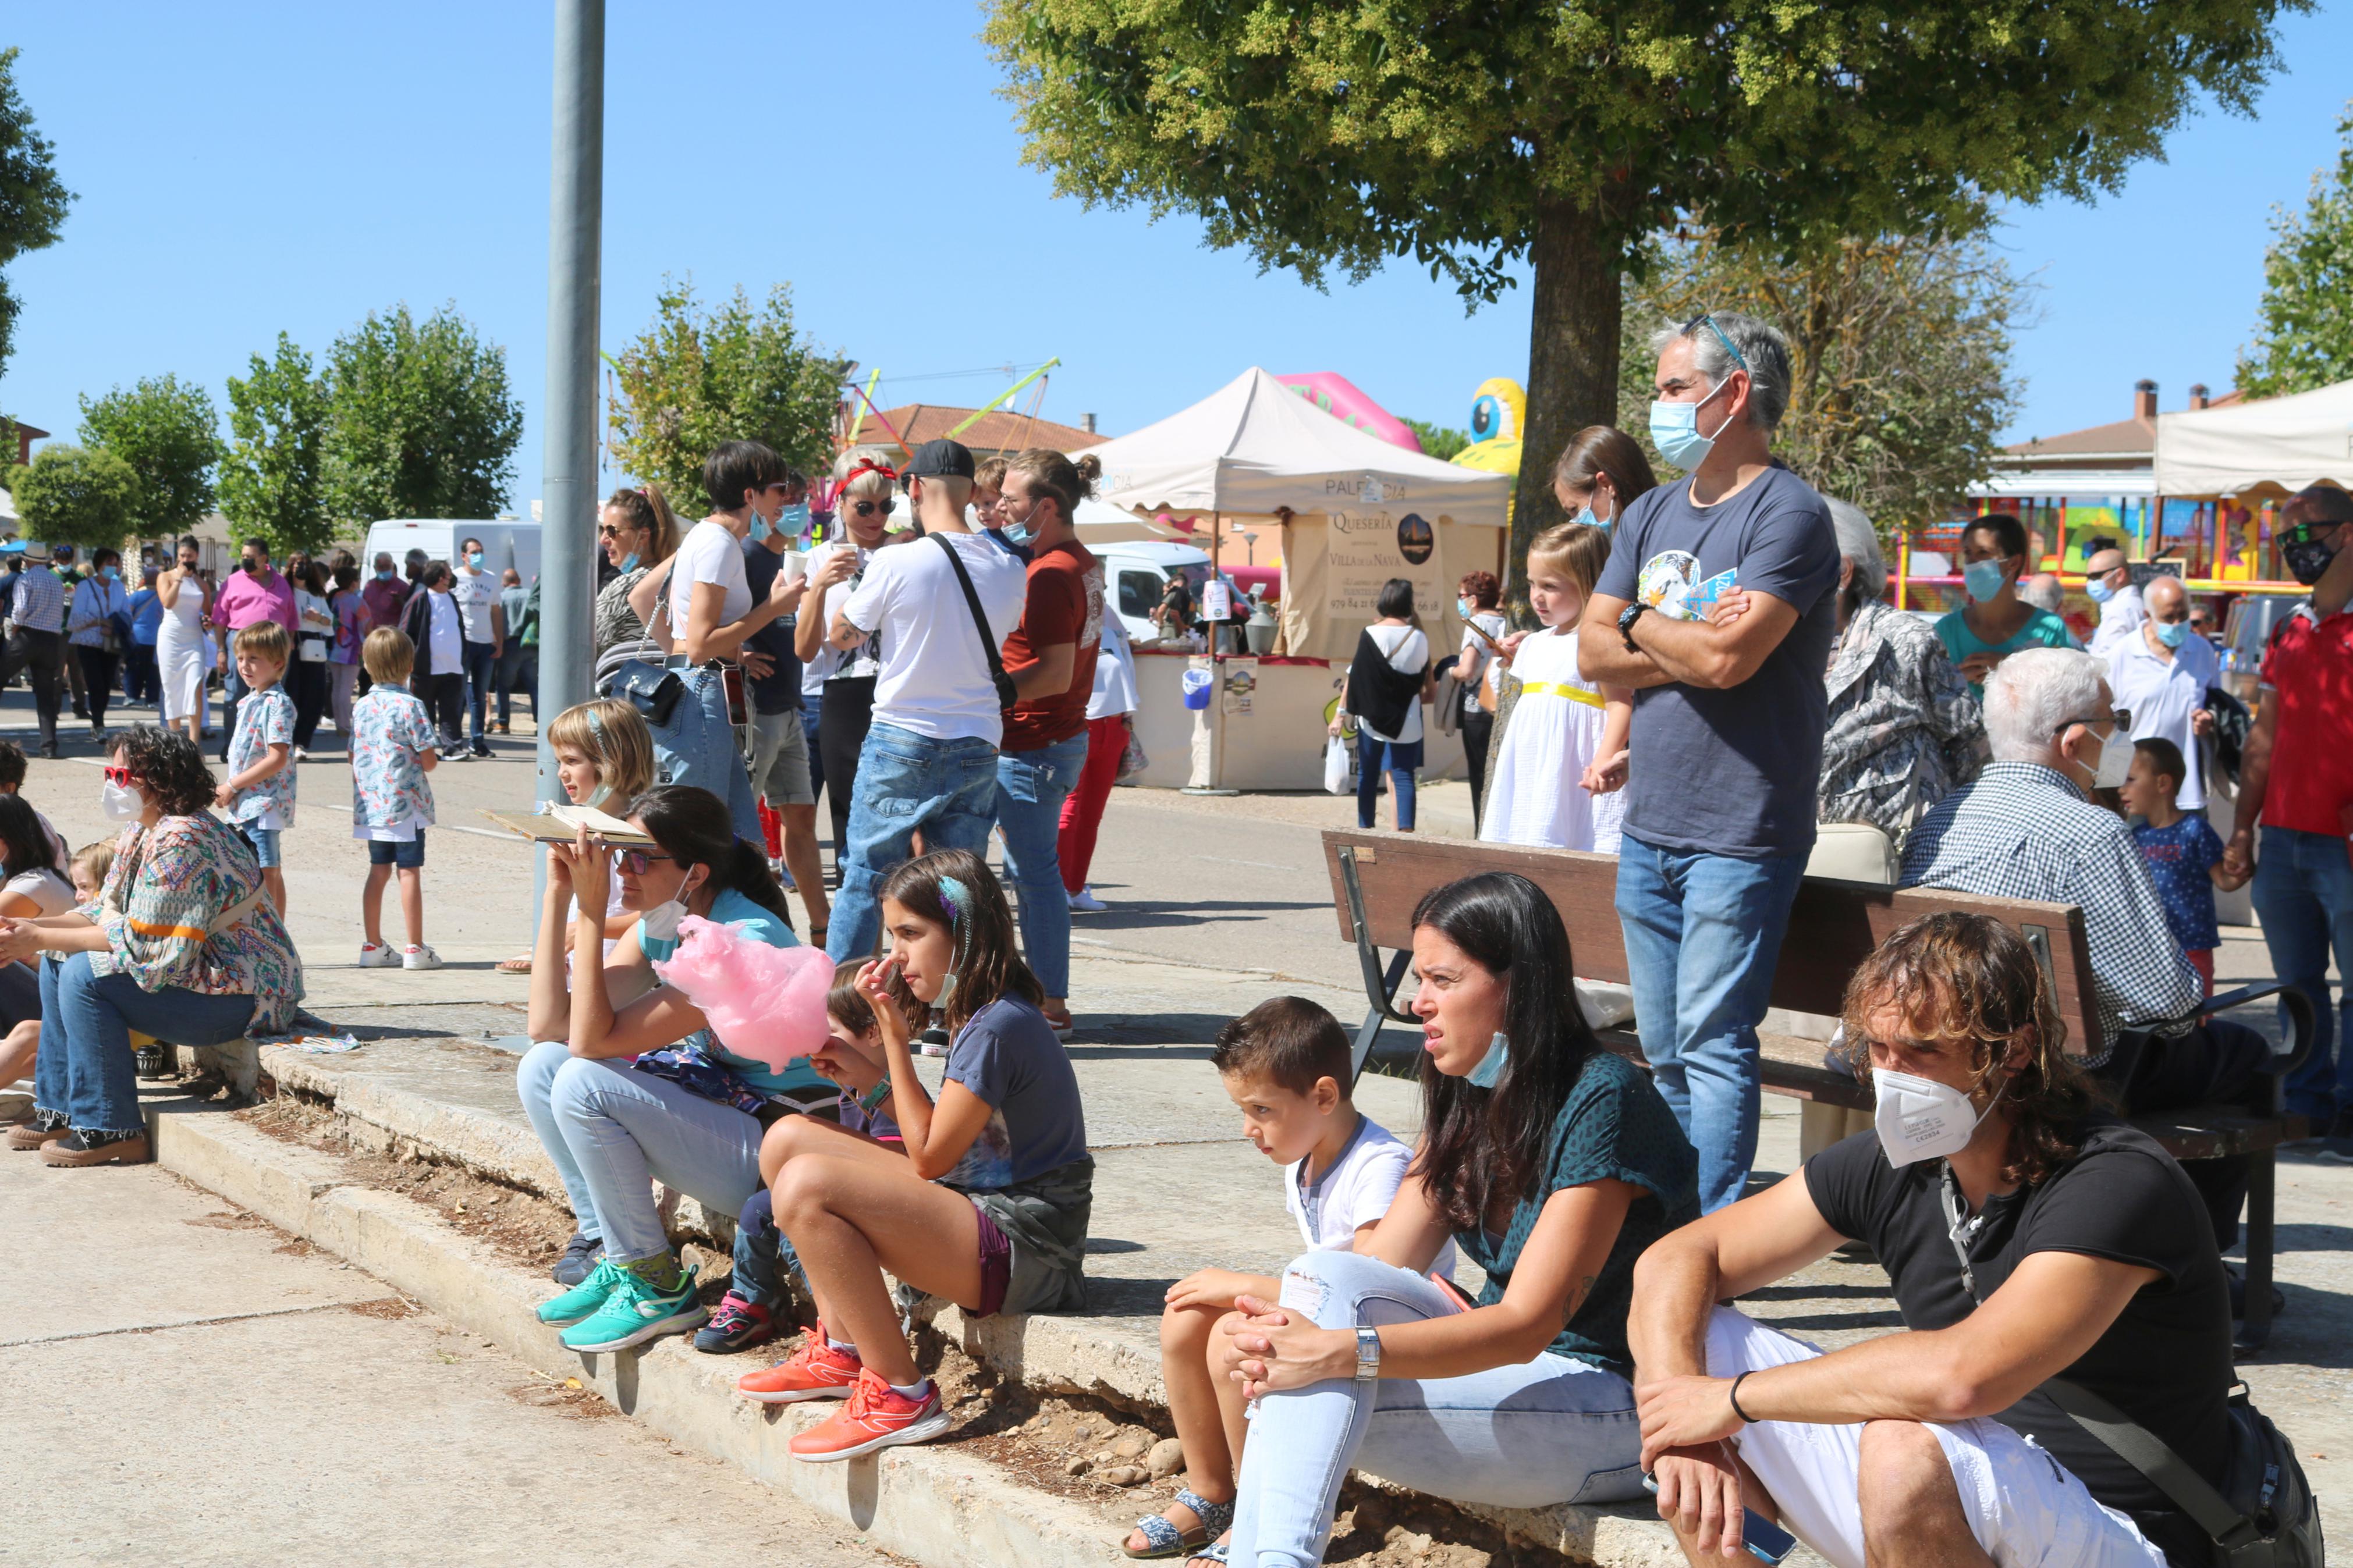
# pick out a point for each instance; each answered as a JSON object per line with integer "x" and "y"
{"x": 253, "y": 168}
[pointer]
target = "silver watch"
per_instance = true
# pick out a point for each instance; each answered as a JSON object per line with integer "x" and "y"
{"x": 1368, "y": 1354}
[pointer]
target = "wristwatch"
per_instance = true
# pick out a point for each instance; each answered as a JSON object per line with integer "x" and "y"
{"x": 1626, "y": 620}
{"x": 1368, "y": 1354}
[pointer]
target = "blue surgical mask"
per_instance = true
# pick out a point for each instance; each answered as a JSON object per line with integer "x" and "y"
{"x": 1674, "y": 431}
{"x": 109, "y": 573}
{"x": 629, "y": 562}
{"x": 474, "y": 559}
{"x": 1019, "y": 532}
{"x": 1466, "y": 609}
{"x": 387, "y": 575}
{"x": 1489, "y": 1071}
{"x": 794, "y": 520}
{"x": 1983, "y": 579}
{"x": 2100, "y": 589}
{"x": 759, "y": 526}
{"x": 2170, "y": 633}
{"x": 1584, "y": 514}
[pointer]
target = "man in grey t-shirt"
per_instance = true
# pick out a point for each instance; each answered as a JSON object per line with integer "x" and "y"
{"x": 1718, "y": 607}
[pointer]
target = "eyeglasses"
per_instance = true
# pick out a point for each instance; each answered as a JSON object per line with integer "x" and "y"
{"x": 2121, "y": 718}
{"x": 122, "y": 778}
{"x": 1729, "y": 346}
{"x": 638, "y": 862}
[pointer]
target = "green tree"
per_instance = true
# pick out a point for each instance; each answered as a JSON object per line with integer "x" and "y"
{"x": 738, "y": 371}
{"x": 270, "y": 481}
{"x": 33, "y": 200}
{"x": 1439, "y": 441}
{"x": 75, "y": 495}
{"x": 1899, "y": 352}
{"x": 421, "y": 421}
{"x": 1559, "y": 136}
{"x": 167, "y": 430}
{"x": 2303, "y": 333}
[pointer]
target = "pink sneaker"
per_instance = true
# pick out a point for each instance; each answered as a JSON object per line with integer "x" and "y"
{"x": 877, "y": 1416}
{"x": 815, "y": 1370}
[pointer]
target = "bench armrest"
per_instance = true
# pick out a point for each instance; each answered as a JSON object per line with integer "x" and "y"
{"x": 2302, "y": 1025}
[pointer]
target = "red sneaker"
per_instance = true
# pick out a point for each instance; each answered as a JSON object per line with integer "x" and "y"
{"x": 875, "y": 1418}
{"x": 815, "y": 1370}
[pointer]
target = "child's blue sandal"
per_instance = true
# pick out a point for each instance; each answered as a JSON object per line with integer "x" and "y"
{"x": 1165, "y": 1540}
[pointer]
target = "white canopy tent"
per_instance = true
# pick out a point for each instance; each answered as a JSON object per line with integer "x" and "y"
{"x": 2282, "y": 444}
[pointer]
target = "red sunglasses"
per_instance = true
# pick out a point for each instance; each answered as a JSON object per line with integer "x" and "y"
{"x": 123, "y": 777}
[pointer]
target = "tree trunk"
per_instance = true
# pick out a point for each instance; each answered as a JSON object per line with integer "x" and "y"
{"x": 1572, "y": 364}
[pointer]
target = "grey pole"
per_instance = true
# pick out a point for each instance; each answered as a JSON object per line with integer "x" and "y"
{"x": 568, "y": 503}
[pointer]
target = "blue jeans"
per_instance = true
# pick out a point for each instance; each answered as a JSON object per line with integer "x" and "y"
{"x": 1703, "y": 934}
{"x": 698, "y": 747}
{"x": 764, "y": 1255}
{"x": 2304, "y": 891}
{"x": 480, "y": 664}
{"x": 613, "y": 1131}
{"x": 905, "y": 782}
{"x": 1403, "y": 759}
{"x": 84, "y": 1072}
{"x": 1528, "y": 1435}
{"x": 1030, "y": 789}
{"x": 810, "y": 708}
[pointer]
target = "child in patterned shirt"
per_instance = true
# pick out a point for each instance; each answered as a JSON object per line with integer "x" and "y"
{"x": 258, "y": 794}
{"x": 2184, "y": 857}
{"x": 394, "y": 746}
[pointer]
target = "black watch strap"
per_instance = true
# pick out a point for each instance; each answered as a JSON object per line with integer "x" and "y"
{"x": 1626, "y": 620}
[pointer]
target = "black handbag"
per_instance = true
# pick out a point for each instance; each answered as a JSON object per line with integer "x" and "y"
{"x": 1005, "y": 694}
{"x": 649, "y": 688}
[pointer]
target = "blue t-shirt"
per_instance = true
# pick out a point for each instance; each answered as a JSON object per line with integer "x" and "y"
{"x": 780, "y": 691}
{"x": 733, "y": 908}
{"x": 2181, "y": 859}
{"x": 1733, "y": 772}
{"x": 146, "y": 616}
{"x": 1006, "y": 1054}
{"x": 1614, "y": 1126}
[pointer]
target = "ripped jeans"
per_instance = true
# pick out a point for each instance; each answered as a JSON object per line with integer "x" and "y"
{"x": 1547, "y": 1431}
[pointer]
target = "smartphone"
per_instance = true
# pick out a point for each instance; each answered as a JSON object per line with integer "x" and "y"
{"x": 1765, "y": 1542}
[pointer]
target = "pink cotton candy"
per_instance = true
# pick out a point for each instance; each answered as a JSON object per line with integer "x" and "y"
{"x": 765, "y": 1003}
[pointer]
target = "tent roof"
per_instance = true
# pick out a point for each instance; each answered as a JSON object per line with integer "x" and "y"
{"x": 1254, "y": 446}
{"x": 2287, "y": 442}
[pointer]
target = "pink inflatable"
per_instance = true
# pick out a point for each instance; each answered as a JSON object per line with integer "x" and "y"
{"x": 765, "y": 1003}
{"x": 1335, "y": 394}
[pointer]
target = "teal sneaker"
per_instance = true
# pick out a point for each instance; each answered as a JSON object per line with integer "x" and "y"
{"x": 585, "y": 1297}
{"x": 636, "y": 1312}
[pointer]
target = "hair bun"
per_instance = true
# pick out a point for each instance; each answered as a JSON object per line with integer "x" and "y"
{"x": 1090, "y": 469}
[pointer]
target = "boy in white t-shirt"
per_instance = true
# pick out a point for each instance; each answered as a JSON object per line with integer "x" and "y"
{"x": 929, "y": 762}
{"x": 1286, "y": 1065}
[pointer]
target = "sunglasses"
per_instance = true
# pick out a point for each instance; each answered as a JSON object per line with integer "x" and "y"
{"x": 122, "y": 778}
{"x": 869, "y": 508}
{"x": 638, "y": 862}
{"x": 2121, "y": 717}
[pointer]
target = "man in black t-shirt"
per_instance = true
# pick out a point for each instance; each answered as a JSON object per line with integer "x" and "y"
{"x": 2026, "y": 1236}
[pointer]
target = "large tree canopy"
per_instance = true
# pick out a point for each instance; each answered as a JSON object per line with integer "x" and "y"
{"x": 2304, "y": 334}
{"x": 33, "y": 200}
{"x": 167, "y": 430}
{"x": 74, "y": 495}
{"x": 270, "y": 482}
{"x": 1341, "y": 136}
{"x": 421, "y": 421}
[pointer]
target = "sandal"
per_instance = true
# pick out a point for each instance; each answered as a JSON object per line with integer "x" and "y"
{"x": 1163, "y": 1539}
{"x": 1217, "y": 1551}
{"x": 515, "y": 966}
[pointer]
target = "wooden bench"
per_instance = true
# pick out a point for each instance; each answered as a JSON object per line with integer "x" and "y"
{"x": 1378, "y": 877}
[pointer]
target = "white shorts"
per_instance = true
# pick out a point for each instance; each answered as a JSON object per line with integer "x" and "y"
{"x": 2024, "y": 1507}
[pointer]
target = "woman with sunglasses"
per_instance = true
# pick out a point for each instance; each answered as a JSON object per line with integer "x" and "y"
{"x": 687, "y": 1111}
{"x": 636, "y": 532}
{"x": 838, "y": 683}
{"x": 182, "y": 943}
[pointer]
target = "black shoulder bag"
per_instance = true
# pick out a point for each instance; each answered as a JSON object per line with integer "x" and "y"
{"x": 1006, "y": 696}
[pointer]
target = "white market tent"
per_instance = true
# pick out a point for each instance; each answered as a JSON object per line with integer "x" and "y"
{"x": 2276, "y": 443}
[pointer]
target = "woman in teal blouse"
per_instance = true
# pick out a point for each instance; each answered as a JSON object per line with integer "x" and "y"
{"x": 1996, "y": 623}
{"x": 1552, "y": 1164}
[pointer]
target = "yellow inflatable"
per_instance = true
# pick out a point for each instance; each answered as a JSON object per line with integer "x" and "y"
{"x": 1498, "y": 412}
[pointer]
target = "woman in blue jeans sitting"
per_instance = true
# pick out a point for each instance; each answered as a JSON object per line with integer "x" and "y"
{"x": 182, "y": 943}
{"x": 1552, "y": 1164}
{"x": 687, "y": 1111}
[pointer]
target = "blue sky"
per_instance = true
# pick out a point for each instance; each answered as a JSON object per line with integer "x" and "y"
{"x": 252, "y": 168}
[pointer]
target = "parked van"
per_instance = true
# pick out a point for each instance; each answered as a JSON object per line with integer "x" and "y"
{"x": 506, "y": 542}
{"x": 1136, "y": 573}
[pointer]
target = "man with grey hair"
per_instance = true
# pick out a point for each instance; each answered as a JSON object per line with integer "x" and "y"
{"x": 2108, "y": 580}
{"x": 1717, "y": 606}
{"x": 2044, "y": 591}
{"x": 2028, "y": 829}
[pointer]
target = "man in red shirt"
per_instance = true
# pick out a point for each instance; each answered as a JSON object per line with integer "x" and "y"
{"x": 1051, "y": 658}
{"x": 2297, "y": 778}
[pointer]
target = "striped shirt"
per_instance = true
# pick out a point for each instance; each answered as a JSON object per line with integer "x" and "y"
{"x": 38, "y": 604}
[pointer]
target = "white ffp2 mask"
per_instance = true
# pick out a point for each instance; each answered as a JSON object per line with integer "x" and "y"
{"x": 2115, "y": 761}
{"x": 661, "y": 921}
{"x": 121, "y": 803}
{"x": 1920, "y": 1118}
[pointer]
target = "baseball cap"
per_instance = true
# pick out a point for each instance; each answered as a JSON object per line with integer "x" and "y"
{"x": 940, "y": 458}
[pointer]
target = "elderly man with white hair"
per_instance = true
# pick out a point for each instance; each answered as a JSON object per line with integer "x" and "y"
{"x": 2161, "y": 674}
{"x": 2028, "y": 829}
{"x": 2107, "y": 580}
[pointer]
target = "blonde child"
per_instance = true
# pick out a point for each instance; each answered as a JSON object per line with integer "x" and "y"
{"x": 394, "y": 746}
{"x": 258, "y": 794}
{"x": 603, "y": 758}
{"x": 91, "y": 862}
{"x": 1564, "y": 727}
{"x": 2183, "y": 853}
{"x": 1286, "y": 1065}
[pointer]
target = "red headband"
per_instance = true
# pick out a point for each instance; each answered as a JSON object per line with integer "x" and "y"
{"x": 868, "y": 465}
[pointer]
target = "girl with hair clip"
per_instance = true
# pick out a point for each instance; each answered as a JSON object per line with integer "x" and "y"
{"x": 989, "y": 1205}
{"x": 1552, "y": 1164}
{"x": 604, "y": 756}
{"x": 687, "y": 1111}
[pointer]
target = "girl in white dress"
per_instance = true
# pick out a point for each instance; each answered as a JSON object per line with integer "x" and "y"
{"x": 1562, "y": 767}
{"x": 180, "y": 660}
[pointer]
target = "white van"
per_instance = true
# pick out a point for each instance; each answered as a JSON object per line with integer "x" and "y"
{"x": 506, "y": 542}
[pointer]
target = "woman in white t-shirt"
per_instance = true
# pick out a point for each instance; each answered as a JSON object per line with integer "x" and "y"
{"x": 1389, "y": 681}
{"x": 698, "y": 604}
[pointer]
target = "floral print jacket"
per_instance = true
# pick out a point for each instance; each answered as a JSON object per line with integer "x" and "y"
{"x": 170, "y": 884}
{"x": 1904, "y": 733}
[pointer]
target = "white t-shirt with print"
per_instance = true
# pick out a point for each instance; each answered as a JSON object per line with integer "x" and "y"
{"x": 934, "y": 678}
{"x": 475, "y": 593}
{"x": 1356, "y": 1191}
{"x": 711, "y": 553}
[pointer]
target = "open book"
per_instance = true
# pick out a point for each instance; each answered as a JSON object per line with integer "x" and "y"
{"x": 562, "y": 824}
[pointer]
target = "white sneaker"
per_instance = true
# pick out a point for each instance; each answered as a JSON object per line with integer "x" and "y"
{"x": 420, "y": 957}
{"x": 378, "y": 955}
{"x": 1084, "y": 902}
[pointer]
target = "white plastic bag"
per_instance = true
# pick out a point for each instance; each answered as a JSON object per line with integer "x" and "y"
{"x": 1335, "y": 766}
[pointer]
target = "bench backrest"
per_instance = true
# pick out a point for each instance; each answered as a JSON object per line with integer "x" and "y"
{"x": 1833, "y": 926}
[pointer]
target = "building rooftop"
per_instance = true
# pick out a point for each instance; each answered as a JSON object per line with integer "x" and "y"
{"x": 2125, "y": 443}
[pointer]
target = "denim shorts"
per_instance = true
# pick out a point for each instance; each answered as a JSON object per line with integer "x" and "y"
{"x": 265, "y": 844}
{"x": 408, "y": 854}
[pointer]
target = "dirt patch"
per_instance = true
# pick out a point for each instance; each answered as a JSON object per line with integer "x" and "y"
{"x": 567, "y": 1397}
{"x": 222, "y": 1219}
{"x": 388, "y": 1309}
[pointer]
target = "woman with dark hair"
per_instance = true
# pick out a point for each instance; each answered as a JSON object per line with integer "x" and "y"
{"x": 97, "y": 625}
{"x": 33, "y": 889}
{"x": 1995, "y": 623}
{"x": 1389, "y": 681}
{"x": 1551, "y": 1163}
{"x": 187, "y": 601}
{"x": 1601, "y": 473}
{"x": 306, "y": 673}
{"x": 182, "y": 945}
{"x": 1478, "y": 599}
{"x": 687, "y": 1111}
